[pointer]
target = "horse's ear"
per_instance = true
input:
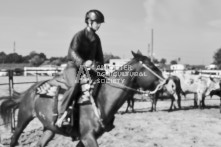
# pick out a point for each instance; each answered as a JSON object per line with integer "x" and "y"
{"x": 211, "y": 78}
{"x": 139, "y": 52}
{"x": 134, "y": 54}
{"x": 167, "y": 80}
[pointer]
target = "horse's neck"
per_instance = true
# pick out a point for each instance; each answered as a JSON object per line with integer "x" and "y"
{"x": 112, "y": 95}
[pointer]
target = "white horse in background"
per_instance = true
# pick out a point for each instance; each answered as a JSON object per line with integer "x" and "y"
{"x": 199, "y": 86}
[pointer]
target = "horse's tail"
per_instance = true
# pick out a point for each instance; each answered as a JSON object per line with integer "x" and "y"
{"x": 12, "y": 102}
{"x": 9, "y": 105}
{"x": 180, "y": 88}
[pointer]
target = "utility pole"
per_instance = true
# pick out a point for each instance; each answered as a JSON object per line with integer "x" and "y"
{"x": 148, "y": 50}
{"x": 151, "y": 56}
{"x": 14, "y": 47}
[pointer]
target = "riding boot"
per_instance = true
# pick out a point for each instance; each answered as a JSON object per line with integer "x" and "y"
{"x": 72, "y": 114}
{"x": 62, "y": 118}
{"x": 66, "y": 119}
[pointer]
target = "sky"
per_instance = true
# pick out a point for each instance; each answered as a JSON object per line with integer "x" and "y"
{"x": 185, "y": 29}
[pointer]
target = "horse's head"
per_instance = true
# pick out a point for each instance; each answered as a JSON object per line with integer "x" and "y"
{"x": 148, "y": 75}
{"x": 212, "y": 84}
{"x": 170, "y": 85}
{"x": 215, "y": 92}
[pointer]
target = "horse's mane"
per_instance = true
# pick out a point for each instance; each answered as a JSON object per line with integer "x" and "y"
{"x": 131, "y": 62}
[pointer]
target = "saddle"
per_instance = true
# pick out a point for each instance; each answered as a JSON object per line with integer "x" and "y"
{"x": 49, "y": 88}
{"x": 55, "y": 89}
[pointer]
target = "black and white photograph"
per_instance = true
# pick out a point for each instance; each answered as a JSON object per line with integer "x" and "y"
{"x": 110, "y": 73}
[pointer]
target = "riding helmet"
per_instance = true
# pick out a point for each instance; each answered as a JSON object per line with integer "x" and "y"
{"x": 94, "y": 15}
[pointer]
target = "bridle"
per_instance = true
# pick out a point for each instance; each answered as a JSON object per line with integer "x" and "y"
{"x": 147, "y": 92}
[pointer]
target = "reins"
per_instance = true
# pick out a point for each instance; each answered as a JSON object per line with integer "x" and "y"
{"x": 159, "y": 86}
{"x": 151, "y": 71}
{"x": 122, "y": 86}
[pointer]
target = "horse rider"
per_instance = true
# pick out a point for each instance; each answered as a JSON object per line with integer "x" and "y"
{"x": 85, "y": 49}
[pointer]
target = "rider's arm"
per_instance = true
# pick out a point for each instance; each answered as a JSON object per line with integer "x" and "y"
{"x": 73, "y": 55}
{"x": 99, "y": 55}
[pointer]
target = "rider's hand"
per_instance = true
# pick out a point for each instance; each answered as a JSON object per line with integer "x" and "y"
{"x": 88, "y": 63}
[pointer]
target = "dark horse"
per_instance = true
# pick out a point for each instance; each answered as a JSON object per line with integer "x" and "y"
{"x": 109, "y": 99}
{"x": 172, "y": 88}
{"x": 217, "y": 92}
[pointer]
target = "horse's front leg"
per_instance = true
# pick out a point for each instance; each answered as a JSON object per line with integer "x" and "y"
{"x": 80, "y": 144}
{"x": 153, "y": 102}
{"x": 171, "y": 105}
{"x": 88, "y": 127}
{"x": 195, "y": 105}
{"x": 47, "y": 136}
{"x": 88, "y": 141}
{"x": 176, "y": 103}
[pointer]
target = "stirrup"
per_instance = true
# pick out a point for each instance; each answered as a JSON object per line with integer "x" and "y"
{"x": 60, "y": 122}
{"x": 101, "y": 122}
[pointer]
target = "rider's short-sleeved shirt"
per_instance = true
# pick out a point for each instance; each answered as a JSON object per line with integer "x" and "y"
{"x": 87, "y": 45}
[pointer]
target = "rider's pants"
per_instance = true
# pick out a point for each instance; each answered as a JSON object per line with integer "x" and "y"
{"x": 70, "y": 77}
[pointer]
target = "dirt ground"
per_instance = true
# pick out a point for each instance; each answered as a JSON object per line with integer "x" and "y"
{"x": 183, "y": 128}
{"x": 188, "y": 127}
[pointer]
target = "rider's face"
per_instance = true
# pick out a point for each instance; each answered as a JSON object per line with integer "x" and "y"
{"x": 95, "y": 25}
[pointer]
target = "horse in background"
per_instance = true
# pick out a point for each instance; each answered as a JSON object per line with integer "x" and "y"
{"x": 88, "y": 127}
{"x": 172, "y": 88}
{"x": 217, "y": 92}
{"x": 199, "y": 86}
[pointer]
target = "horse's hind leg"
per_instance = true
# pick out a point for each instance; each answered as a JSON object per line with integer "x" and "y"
{"x": 200, "y": 97}
{"x": 24, "y": 117}
{"x": 47, "y": 136}
{"x": 203, "y": 102}
{"x": 154, "y": 103}
{"x": 195, "y": 100}
{"x": 132, "y": 105}
{"x": 128, "y": 104}
{"x": 179, "y": 101}
{"x": 171, "y": 105}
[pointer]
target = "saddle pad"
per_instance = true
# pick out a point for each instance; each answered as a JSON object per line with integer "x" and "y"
{"x": 45, "y": 90}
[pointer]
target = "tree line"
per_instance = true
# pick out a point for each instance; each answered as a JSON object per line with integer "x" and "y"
{"x": 217, "y": 58}
{"x": 36, "y": 59}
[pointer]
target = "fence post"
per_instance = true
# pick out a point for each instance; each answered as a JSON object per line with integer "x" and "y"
{"x": 25, "y": 71}
{"x": 36, "y": 74}
{"x": 11, "y": 87}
